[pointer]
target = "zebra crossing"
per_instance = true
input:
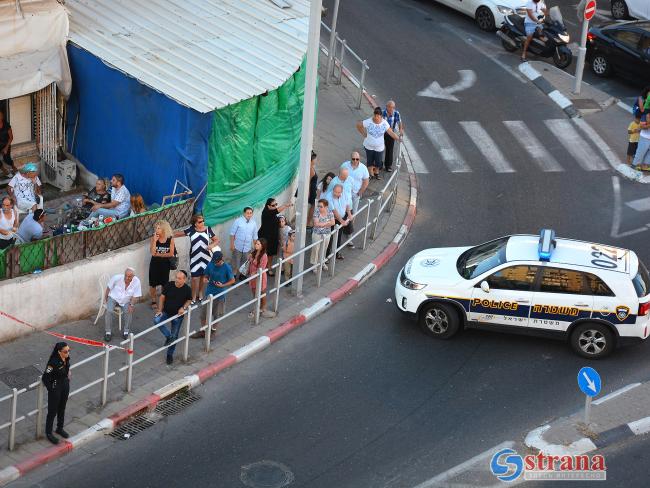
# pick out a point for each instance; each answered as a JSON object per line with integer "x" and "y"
{"x": 467, "y": 146}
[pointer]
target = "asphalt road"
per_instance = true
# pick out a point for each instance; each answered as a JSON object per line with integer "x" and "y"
{"x": 360, "y": 397}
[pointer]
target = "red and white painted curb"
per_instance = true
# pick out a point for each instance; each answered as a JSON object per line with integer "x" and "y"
{"x": 107, "y": 425}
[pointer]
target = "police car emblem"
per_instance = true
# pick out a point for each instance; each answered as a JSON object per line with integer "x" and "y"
{"x": 622, "y": 312}
{"x": 430, "y": 263}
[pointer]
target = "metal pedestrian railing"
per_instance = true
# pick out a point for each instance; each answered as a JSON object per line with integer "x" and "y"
{"x": 137, "y": 350}
{"x": 342, "y": 54}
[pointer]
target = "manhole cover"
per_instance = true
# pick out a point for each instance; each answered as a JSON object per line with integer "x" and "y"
{"x": 20, "y": 378}
{"x": 585, "y": 103}
{"x": 266, "y": 474}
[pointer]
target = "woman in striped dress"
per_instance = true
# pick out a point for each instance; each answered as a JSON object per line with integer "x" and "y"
{"x": 202, "y": 243}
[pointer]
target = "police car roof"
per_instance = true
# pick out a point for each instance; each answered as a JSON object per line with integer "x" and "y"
{"x": 576, "y": 253}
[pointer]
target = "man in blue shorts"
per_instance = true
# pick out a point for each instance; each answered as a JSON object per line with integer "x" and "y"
{"x": 535, "y": 12}
{"x": 219, "y": 277}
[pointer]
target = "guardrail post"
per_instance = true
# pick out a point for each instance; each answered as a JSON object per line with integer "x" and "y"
{"x": 365, "y": 228}
{"x": 129, "y": 362}
{"x": 364, "y": 68}
{"x": 12, "y": 427}
{"x": 376, "y": 222}
{"x": 39, "y": 410}
{"x": 278, "y": 280}
{"x": 258, "y": 296}
{"x": 208, "y": 330}
{"x": 335, "y": 237}
{"x": 186, "y": 344}
{"x": 105, "y": 377}
{"x": 344, "y": 46}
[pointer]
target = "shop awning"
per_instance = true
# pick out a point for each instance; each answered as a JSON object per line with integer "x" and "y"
{"x": 33, "y": 35}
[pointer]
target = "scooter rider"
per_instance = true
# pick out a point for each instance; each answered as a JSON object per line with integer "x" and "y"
{"x": 534, "y": 10}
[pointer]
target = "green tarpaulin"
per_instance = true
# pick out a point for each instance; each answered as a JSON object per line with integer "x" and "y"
{"x": 254, "y": 150}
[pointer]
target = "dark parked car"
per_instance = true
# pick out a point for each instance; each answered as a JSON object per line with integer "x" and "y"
{"x": 622, "y": 48}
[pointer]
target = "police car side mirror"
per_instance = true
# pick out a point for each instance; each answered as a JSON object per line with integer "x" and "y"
{"x": 485, "y": 287}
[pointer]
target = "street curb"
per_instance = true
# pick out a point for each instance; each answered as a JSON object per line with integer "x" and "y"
{"x": 535, "y": 439}
{"x": 107, "y": 425}
{"x": 548, "y": 89}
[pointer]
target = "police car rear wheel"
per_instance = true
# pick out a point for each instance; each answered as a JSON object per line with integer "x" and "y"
{"x": 592, "y": 341}
{"x": 439, "y": 320}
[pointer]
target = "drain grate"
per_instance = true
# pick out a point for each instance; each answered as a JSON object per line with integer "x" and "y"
{"x": 177, "y": 403}
{"x": 165, "y": 408}
{"x": 135, "y": 425}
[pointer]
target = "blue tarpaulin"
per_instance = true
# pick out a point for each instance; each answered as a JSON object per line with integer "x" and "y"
{"x": 123, "y": 126}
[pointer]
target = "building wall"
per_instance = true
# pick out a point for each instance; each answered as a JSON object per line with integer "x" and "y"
{"x": 115, "y": 124}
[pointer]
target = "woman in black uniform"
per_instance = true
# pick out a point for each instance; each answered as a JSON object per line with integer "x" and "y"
{"x": 56, "y": 379}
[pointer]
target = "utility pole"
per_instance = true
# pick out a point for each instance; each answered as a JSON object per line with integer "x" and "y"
{"x": 586, "y": 10}
{"x": 330, "y": 52}
{"x": 307, "y": 139}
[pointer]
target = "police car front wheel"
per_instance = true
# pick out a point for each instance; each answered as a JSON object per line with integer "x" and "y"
{"x": 439, "y": 320}
{"x": 592, "y": 341}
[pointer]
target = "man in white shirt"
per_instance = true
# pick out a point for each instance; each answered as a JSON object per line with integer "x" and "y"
{"x": 122, "y": 290}
{"x": 345, "y": 181}
{"x": 242, "y": 234}
{"x": 340, "y": 206}
{"x": 359, "y": 176}
{"x": 120, "y": 204}
{"x": 535, "y": 11}
{"x": 25, "y": 189}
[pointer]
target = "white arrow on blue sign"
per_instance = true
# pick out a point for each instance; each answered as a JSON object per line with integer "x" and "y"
{"x": 589, "y": 381}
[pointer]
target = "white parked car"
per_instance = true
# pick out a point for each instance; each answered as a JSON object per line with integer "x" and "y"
{"x": 489, "y": 14}
{"x": 592, "y": 295}
{"x": 624, "y": 9}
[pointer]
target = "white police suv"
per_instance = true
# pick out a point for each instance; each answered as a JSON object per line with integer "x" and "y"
{"x": 592, "y": 295}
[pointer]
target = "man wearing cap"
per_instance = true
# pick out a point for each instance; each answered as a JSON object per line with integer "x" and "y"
{"x": 25, "y": 188}
{"x": 31, "y": 228}
{"x": 122, "y": 290}
{"x": 219, "y": 277}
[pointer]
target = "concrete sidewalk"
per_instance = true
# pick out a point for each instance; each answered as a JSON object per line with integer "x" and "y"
{"x": 614, "y": 417}
{"x": 23, "y": 360}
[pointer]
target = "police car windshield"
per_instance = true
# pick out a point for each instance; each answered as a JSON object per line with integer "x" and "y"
{"x": 482, "y": 258}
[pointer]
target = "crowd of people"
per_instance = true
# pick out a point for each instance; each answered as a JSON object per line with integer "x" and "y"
{"x": 333, "y": 200}
{"x": 24, "y": 196}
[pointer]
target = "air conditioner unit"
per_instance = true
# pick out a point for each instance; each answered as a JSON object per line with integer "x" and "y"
{"x": 62, "y": 175}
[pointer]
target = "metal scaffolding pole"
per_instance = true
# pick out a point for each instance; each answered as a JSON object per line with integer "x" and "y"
{"x": 307, "y": 138}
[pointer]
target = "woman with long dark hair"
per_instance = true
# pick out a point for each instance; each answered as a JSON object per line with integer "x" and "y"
{"x": 259, "y": 259}
{"x": 270, "y": 229}
{"x": 56, "y": 379}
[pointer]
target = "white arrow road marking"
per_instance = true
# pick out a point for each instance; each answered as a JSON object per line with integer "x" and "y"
{"x": 434, "y": 90}
{"x": 618, "y": 213}
{"x": 640, "y": 205}
{"x": 590, "y": 383}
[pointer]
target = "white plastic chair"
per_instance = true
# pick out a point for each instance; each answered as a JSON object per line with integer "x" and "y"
{"x": 38, "y": 205}
{"x": 103, "y": 283}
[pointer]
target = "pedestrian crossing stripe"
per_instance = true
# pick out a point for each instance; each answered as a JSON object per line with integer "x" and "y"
{"x": 580, "y": 147}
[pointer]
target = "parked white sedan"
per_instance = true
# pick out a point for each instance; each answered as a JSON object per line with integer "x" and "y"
{"x": 489, "y": 14}
{"x": 624, "y": 9}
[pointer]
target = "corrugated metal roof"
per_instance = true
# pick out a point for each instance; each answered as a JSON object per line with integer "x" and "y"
{"x": 205, "y": 54}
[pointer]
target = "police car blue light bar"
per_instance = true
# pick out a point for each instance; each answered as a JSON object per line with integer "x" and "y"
{"x": 546, "y": 244}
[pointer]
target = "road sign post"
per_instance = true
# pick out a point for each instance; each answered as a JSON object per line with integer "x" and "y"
{"x": 590, "y": 384}
{"x": 589, "y": 11}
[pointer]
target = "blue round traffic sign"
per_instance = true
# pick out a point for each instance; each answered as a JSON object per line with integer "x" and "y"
{"x": 589, "y": 381}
